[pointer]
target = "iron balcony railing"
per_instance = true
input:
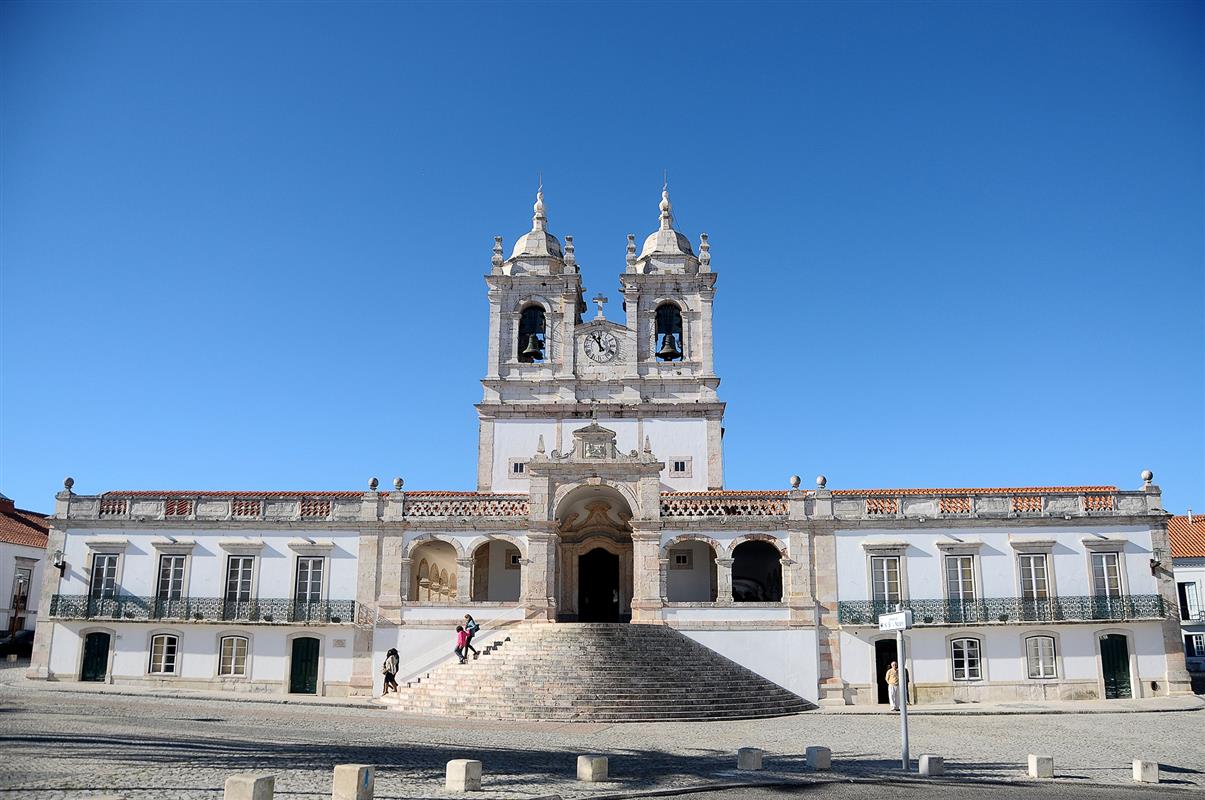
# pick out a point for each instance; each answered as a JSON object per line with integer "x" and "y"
{"x": 203, "y": 609}
{"x": 1006, "y": 610}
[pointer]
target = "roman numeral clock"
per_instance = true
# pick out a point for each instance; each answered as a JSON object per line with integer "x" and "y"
{"x": 601, "y": 346}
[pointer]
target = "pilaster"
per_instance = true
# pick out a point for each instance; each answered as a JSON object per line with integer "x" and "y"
{"x": 539, "y": 575}
{"x": 723, "y": 581}
{"x": 39, "y": 661}
{"x": 362, "y": 666}
{"x": 395, "y": 578}
{"x": 464, "y": 580}
{"x": 646, "y": 575}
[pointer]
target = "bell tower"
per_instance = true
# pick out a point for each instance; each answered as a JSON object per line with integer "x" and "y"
{"x": 650, "y": 377}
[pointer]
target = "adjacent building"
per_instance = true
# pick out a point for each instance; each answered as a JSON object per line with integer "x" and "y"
{"x": 600, "y": 498}
{"x": 22, "y": 558}
{"x": 1187, "y": 536}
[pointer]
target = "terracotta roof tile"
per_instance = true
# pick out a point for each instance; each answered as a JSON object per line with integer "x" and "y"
{"x": 1187, "y": 538}
{"x": 18, "y": 526}
{"x": 1006, "y": 490}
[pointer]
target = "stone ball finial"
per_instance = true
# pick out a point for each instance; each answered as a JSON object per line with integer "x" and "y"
{"x": 821, "y": 481}
{"x": 68, "y": 483}
{"x": 795, "y": 481}
{"x": 372, "y": 484}
{"x": 398, "y": 483}
{"x": 1147, "y": 476}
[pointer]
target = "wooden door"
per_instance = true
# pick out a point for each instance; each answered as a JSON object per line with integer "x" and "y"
{"x": 303, "y": 672}
{"x": 96, "y": 657}
{"x": 1115, "y": 666}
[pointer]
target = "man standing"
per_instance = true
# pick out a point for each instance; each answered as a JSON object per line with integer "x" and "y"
{"x": 893, "y": 686}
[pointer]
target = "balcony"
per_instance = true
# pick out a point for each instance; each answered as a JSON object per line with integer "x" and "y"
{"x": 1009, "y": 610}
{"x": 275, "y": 611}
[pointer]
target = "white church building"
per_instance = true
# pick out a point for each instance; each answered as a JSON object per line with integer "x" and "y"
{"x": 600, "y": 499}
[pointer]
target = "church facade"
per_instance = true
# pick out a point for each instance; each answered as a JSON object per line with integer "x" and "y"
{"x": 600, "y": 498}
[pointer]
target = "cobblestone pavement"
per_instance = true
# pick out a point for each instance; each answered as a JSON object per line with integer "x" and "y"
{"x": 67, "y": 745}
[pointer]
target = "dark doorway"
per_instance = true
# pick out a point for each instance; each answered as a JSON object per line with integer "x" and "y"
{"x": 303, "y": 672}
{"x": 1115, "y": 666}
{"x": 96, "y": 657}
{"x": 598, "y": 586}
{"x": 884, "y": 654}
{"x": 756, "y": 573}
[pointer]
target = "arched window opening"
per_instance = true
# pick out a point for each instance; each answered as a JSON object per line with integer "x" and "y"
{"x": 756, "y": 573}
{"x": 430, "y": 583}
{"x": 163, "y": 654}
{"x": 1039, "y": 656}
{"x": 232, "y": 657}
{"x": 964, "y": 660}
{"x": 669, "y": 333}
{"x": 691, "y": 573}
{"x": 531, "y": 335}
{"x": 497, "y": 572}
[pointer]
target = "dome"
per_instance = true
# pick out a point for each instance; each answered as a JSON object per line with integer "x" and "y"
{"x": 665, "y": 240}
{"x": 538, "y": 242}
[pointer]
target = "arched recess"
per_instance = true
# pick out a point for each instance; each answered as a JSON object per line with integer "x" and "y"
{"x": 594, "y": 516}
{"x": 531, "y": 339}
{"x": 691, "y": 573}
{"x": 669, "y": 342}
{"x": 433, "y": 579}
{"x": 497, "y": 569}
{"x": 757, "y": 570}
{"x": 567, "y": 495}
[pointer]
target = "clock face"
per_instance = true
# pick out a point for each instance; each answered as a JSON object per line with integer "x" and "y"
{"x": 602, "y": 346}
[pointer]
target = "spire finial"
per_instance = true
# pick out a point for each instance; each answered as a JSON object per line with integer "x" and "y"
{"x": 667, "y": 218}
{"x": 539, "y": 219}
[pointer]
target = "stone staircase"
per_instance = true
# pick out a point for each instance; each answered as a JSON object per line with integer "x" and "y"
{"x": 596, "y": 672}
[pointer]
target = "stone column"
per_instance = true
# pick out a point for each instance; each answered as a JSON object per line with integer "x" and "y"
{"x": 664, "y": 578}
{"x": 539, "y": 577}
{"x": 464, "y": 580}
{"x": 393, "y": 583}
{"x": 362, "y": 663}
{"x": 405, "y": 579}
{"x": 828, "y": 633}
{"x": 799, "y": 597}
{"x": 39, "y": 662}
{"x": 646, "y": 575}
{"x": 723, "y": 581}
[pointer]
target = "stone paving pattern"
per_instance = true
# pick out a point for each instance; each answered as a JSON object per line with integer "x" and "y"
{"x": 62, "y": 744}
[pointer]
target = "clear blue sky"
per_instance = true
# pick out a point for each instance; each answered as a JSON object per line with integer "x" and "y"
{"x": 958, "y": 244}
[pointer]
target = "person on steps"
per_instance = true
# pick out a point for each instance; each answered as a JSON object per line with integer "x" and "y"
{"x": 471, "y": 627}
{"x": 462, "y": 641}
{"x": 389, "y": 670}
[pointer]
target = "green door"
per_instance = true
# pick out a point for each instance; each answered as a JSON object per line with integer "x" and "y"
{"x": 1115, "y": 665}
{"x": 303, "y": 675}
{"x": 96, "y": 657}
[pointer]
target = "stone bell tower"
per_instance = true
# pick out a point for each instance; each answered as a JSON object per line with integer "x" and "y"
{"x": 650, "y": 377}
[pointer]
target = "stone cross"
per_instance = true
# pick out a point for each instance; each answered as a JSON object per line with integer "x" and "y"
{"x": 599, "y": 300}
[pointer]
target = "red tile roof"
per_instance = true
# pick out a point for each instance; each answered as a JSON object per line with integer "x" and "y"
{"x": 18, "y": 526}
{"x": 1187, "y": 538}
{"x": 1006, "y": 490}
{"x": 286, "y": 495}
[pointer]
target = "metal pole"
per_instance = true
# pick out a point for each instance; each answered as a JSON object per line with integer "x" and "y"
{"x": 903, "y": 679}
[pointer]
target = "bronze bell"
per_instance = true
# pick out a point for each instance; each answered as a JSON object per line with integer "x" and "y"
{"x": 669, "y": 348}
{"x": 533, "y": 349}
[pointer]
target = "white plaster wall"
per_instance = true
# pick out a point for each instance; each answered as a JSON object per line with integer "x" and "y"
{"x": 673, "y": 438}
{"x": 737, "y": 612}
{"x": 691, "y": 585}
{"x": 503, "y": 582}
{"x": 1070, "y": 566}
{"x": 8, "y": 573}
{"x": 518, "y": 438}
{"x": 786, "y": 657}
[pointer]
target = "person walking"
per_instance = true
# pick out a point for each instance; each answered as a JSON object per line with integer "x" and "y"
{"x": 462, "y": 640}
{"x": 389, "y": 670}
{"x": 893, "y": 686}
{"x": 471, "y": 627}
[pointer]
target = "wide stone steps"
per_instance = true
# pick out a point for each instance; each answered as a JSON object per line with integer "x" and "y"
{"x": 596, "y": 672}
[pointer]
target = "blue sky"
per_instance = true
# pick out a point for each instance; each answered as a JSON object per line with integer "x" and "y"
{"x": 242, "y": 246}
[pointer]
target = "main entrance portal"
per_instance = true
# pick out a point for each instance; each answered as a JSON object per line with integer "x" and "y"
{"x": 598, "y": 586}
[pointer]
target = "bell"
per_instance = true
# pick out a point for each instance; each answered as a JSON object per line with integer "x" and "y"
{"x": 533, "y": 349}
{"x": 669, "y": 348}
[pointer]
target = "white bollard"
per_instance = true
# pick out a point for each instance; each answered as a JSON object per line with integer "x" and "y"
{"x": 931, "y": 766}
{"x": 353, "y": 782}
{"x": 592, "y": 768}
{"x": 1041, "y": 766}
{"x": 1146, "y": 771}
{"x": 463, "y": 775}
{"x": 749, "y": 758}
{"x": 250, "y": 786}
{"x": 819, "y": 757}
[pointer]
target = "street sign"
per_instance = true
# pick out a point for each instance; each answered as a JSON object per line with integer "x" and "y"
{"x": 898, "y": 621}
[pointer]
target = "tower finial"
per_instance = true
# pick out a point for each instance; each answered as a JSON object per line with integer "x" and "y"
{"x": 539, "y": 220}
{"x": 667, "y": 218}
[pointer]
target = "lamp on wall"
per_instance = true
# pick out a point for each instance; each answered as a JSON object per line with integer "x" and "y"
{"x": 58, "y": 562}
{"x": 1154, "y": 566}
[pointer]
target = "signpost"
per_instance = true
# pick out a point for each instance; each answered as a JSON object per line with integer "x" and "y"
{"x": 899, "y": 622}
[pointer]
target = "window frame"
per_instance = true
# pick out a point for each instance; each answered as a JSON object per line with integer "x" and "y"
{"x": 687, "y": 470}
{"x": 1117, "y": 576}
{"x": 966, "y": 659}
{"x": 251, "y": 587}
{"x": 297, "y": 578}
{"x": 1198, "y": 644}
{"x": 886, "y": 558}
{"x": 1046, "y": 581}
{"x": 963, "y": 576}
{"x": 175, "y": 654}
{"x": 1188, "y": 599}
{"x": 1054, "y": 657}
{"x": 182, "y": 591}
{"x": 112, "y": 580}
{"x": 246, "y": 664}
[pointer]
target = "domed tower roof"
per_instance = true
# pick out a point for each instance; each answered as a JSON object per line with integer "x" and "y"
{"x": 537, "y": 243}
{"x": 666, "y": 241}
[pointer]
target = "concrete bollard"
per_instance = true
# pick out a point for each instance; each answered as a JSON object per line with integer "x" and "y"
{"x": 932, "y": 766}
{"x": 1041, "y": 766}
{"x": 1146, "y": 771}
{"x": 250, "y": 786}
{"x": 819, "y": 758}
{"x": 464, "y": 775}
{"x": 749, "y": 758}
{"x": 592, "y": 768}
{"x": 353, "y": 782}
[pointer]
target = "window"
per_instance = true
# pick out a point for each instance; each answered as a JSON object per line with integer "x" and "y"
{"x": 21, "y": 581}
{"x": 668, "y": 340}
{"x": 1034, "y": 583}
{"x": 163, "y": 654}
{"x": 885, "y": 580}
{"x": 1039, "y": 654}
{"x": 1194, "y": 645}
{"x": 1190, "y": 607}
{"x": 239, "y": 570}
{"x": 232, "y": 658}
{"x": 680, "y": 466}
{"x": 514, "y": 559}
{"x": 964, "y": 656}
{"x": 960, "y": 578}
{"x": 171, "y": 577}
{"x": 1106, "y": 575}
{"x": 517, "y": 467}
{"x": 104, "y": 575}
{"x": 309, "y": 579}
{"x": 531, "y": 335}
{"x": 681, "y": 559}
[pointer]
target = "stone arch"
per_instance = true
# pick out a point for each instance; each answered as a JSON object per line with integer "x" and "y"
{"x": 519, "y": 543}
{"x": 694, "y": 537}
{"x": 698, "y": 580}
{"x": 779, "y": 544}
{"x": 422, "y": 538}
{"x": 533, "y": 300}
{"x": 493, "y": 577}
{"x": 437, "y": 560}
{"x": 757, "y": 574}
{"x": 561, "y": 498}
